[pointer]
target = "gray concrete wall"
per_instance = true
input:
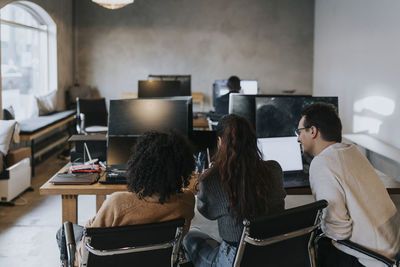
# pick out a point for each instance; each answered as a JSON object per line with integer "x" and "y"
{"x": 61, "y": 12}
{"x": 356, "y": 57}
{"x": 267, "y": 40}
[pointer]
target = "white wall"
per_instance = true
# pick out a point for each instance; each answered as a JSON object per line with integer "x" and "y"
{"x": 267, "y": 40}
{"x": 357, "y": 57}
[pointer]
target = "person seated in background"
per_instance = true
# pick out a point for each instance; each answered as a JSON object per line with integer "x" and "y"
{"x": 359, "y": 207}
{"x": 222, "y": 102}
{"x": 239, "y": 185}
{"x": 158, "y": 171}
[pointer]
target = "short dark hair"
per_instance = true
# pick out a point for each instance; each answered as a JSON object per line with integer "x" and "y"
{"x": 161, "y": 164}
{"x": 234, "y": 84}
{"x": 325, "y": 118}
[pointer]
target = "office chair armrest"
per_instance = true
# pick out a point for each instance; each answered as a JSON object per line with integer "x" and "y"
{"x": 70, "y": 241}
{"x": 80, "y": 123}
{"x": 368, "y": 252}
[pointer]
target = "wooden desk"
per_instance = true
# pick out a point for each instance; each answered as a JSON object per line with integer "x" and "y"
{"x": 371, "y": 144}
{"x": 69, "y": 193}
{"x": 200, "y": 122}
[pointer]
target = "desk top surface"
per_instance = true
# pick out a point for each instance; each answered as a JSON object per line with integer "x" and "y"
{"x": 200, "y": 122}
{"x": 93, "y": 189}
{"x": 375, "y": 145}
{"x": 392, "y": 186}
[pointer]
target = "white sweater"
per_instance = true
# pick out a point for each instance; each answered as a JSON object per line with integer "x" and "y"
{"x": 359, "y": 207}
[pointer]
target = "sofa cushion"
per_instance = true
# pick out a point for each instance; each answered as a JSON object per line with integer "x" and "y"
{"x": 47, "y": 103}
{"x": 8, "y": 113}
{"x": 32, "y": 125}
{"x": 16, "y": 155}
{"x": 6, "y": 133}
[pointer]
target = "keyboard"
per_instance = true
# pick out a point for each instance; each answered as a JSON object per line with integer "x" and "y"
{"x": 115, "y": 178}
{"x": 295, "y": 179}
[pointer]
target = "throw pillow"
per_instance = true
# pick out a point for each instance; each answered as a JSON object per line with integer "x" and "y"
{"x": 8, "y": 113}
{"x": 47, "y": 103}
{"x": 6, "y": 133}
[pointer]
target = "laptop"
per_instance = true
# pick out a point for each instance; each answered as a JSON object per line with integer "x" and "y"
{"x": 85, "y": 178}
{"x": 119, "y": 149}
{"x": 287, "y": 152}
{"x": 74, "y": 178}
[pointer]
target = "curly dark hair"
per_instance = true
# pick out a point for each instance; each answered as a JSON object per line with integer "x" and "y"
{"x": 160, "y": 164}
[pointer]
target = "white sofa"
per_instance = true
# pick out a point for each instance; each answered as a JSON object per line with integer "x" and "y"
{"x": 15, "y": 171}
{"x": 19, "y": 180}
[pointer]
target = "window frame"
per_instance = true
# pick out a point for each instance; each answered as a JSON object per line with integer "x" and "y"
{"x": 48, "y": 29}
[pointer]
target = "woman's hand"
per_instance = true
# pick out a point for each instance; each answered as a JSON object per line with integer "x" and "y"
{"x": 194, "y": 182}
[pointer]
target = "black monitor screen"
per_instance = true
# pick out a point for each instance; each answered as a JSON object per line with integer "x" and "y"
{"x": 158, "y": 88}
{"x": 279, "y": 116}
{"x": 248, "y": 87}
{"x": 243, "y": 105}
{"x": 185, "y": 82}
{"x": 133, "y": 117}
{"x": 119, "y": 150}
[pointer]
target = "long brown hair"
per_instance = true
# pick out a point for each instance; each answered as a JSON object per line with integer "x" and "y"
{"x": 240, "y": 167}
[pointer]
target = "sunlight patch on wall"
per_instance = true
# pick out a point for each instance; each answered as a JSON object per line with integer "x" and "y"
{"x": 378, "y": 104}
{"x": 366, "y": 125}
{"x": 370, "y": 112}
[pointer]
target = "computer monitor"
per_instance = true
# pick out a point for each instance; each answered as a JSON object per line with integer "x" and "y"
{"x": 185, "y": 82}
{"x": 151, "y": 89}
{"x": 248, "y": 87}
{"x": 220, "y": 88}
{"x": 243, "y": 105}
{"x": 133, "y": 117}
{"x": 285, "y": 150}
{"x": 278, "y": 116}
{"x": 119, "y": 150}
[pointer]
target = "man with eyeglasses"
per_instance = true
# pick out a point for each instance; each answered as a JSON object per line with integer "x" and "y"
{"x": 359, "y": 207}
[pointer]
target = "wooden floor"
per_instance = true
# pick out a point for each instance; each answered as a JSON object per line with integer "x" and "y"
{"x": 27, "y": 230}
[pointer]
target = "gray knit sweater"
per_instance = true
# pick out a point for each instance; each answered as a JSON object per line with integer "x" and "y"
{"x": 213, "y": 202}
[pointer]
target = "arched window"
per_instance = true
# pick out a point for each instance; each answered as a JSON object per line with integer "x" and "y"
{"x": 28, "y": 56}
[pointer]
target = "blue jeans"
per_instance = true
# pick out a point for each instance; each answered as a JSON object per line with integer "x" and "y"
{"x": 62, "y": 243}
{"x": 203, "y": 251}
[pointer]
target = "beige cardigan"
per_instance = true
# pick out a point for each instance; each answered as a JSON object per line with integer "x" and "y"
{"x": 359, "y": 207}
{"x": 125, "y": 208}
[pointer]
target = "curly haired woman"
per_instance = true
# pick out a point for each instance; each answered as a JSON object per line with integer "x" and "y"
{"x": 158, "y": 170}
{"x": 239, "y": 185}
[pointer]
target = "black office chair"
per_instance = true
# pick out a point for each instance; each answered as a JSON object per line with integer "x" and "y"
{"x": 91, "y": 115}
{"x": 212, "y": 119}
{"x": 361, "y": 249}
{"x": 284, "y": 239}
{"x": 153, "y": 244}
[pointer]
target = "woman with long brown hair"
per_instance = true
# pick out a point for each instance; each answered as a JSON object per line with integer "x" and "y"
{"x": 238, "y": 186}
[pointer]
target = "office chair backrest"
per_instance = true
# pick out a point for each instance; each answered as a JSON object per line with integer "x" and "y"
{"x": 283, "y": 239}
{"x": 95, "y": 111}
{"x": 148, "y": 241}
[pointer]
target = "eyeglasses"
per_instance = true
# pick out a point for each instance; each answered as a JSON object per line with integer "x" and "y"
{"x": 297, "y": 131}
